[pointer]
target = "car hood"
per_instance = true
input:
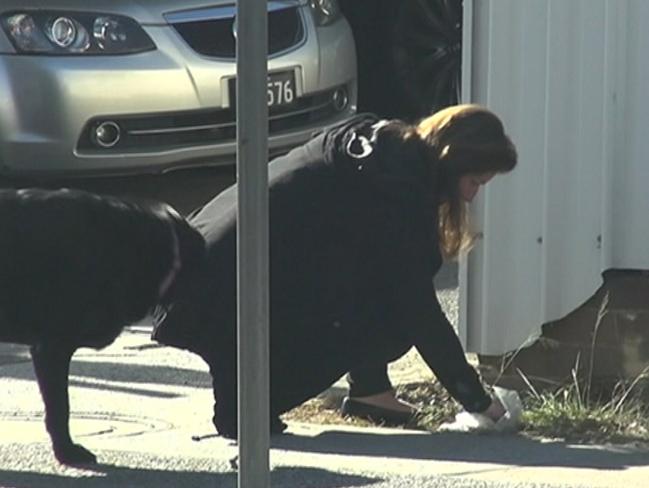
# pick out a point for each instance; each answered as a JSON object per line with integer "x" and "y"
{"x": 144, "y": 11}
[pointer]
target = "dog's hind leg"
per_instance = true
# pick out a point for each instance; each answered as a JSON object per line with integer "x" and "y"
{"x": 52, "y": 366}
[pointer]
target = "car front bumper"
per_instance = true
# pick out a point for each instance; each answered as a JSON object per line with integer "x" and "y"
{"x": 177, "y": 101}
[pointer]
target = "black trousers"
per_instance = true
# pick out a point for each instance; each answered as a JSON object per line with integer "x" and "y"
{"x": 369, "y": 380}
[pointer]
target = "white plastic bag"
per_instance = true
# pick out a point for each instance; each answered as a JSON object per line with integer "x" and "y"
{"x": 477, "y": 422}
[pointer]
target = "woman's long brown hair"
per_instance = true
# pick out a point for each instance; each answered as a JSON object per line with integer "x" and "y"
{"x": 464, "y": 139}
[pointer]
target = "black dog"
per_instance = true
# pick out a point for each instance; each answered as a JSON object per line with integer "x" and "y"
{"x": 75, "y": 268}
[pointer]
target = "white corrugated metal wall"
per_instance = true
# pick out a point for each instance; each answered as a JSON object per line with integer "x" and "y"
{"x": 570, "y": 79}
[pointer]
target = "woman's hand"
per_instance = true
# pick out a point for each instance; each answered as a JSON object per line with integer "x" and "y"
{"x": 495, "y": 411}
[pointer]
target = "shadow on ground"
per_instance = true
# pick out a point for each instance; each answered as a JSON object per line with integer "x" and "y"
{"x": 111, "y": 476}
{"x": 512, "y": 450}
{"x": 123, "y": 372}
{"x": 118, "y": 377}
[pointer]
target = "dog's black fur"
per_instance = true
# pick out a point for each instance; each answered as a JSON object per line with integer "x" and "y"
{"x": 75, "y": 268}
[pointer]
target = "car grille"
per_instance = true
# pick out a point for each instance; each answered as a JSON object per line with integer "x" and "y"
{"x": 203, "y": 127}
{"x": 210, "y": 32}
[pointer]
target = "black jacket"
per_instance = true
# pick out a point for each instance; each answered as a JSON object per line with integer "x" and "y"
{"x": 353, "y": 252}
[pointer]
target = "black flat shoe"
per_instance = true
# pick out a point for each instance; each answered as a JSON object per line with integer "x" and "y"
{"x": 378, "y": 415}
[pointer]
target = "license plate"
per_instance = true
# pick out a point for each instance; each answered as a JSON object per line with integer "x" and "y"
{"x": 280, "y": 89}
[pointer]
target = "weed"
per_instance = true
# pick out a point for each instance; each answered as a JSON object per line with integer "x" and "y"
{"x": 565, "y": 413}
{"x": 433, "y": 401}
{"x": 573, "y": 414}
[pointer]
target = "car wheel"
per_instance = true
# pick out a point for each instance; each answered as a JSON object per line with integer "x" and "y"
{"x": 427, "y": 53}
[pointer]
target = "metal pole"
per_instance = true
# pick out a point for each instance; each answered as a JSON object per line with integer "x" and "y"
{"x": 466, "y": 97}
{"x": 252, "y": 241}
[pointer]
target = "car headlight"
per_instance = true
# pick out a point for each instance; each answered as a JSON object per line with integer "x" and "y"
{"x": 64, "y": 33}
{"x": 325, "y": 11}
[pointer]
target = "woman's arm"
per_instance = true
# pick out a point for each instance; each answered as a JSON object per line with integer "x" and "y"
{"x": 416, "y": 310}
{"x": 434, "y": 337}
{"x": 440, "y": 347}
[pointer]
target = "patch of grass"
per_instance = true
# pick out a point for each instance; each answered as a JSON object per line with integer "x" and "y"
{"x": 434, "y": 403}
{"x": 319, "y": 411}
{"x": 566, "y": 413}
{"x": 551, "y": 416}
{"x": 570, "y": 413}
{"x": 574, "y": 413}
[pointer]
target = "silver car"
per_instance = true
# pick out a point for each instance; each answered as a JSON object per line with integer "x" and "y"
{"x": 127, "y": 86}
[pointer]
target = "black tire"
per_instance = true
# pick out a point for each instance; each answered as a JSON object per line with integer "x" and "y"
{"x": 373, "y": 23}
{"x": 427, "y": 54}
{"x": 409, "y": 55}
